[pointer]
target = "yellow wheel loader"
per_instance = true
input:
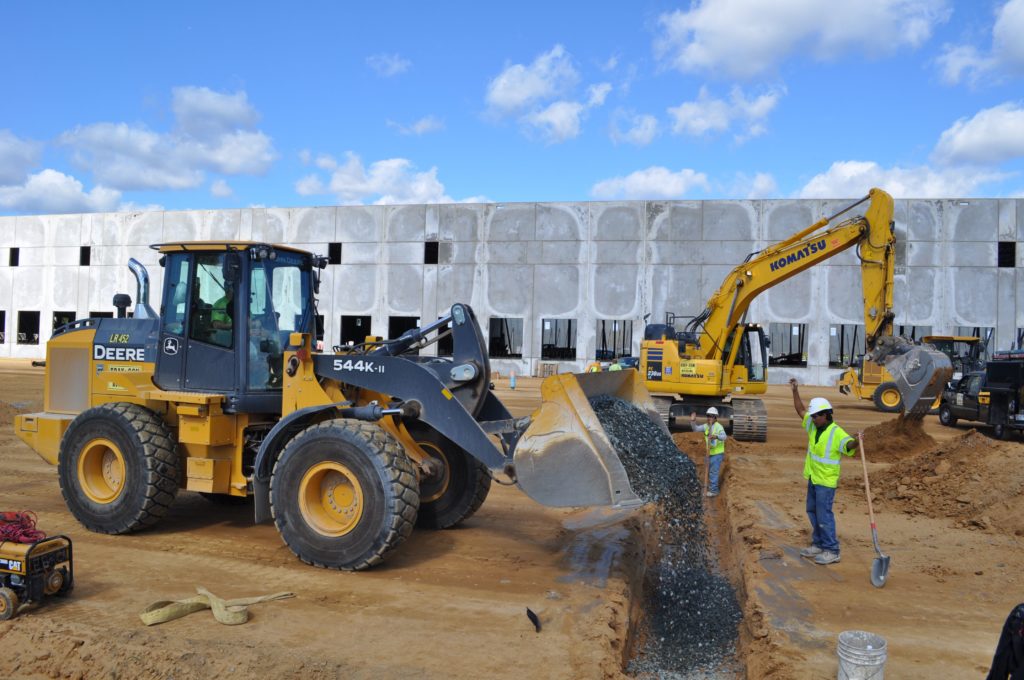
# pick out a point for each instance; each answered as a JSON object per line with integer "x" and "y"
{"x": 222, "y": 393}
{"x": 721, "y": 360}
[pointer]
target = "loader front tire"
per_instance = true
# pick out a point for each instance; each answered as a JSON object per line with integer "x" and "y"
{"x": 8, "y": 604}
{"x": 457, "y": 491}
{"x": 343, "y": 495}
{"x": 118, "y": 468}
{"x": 887, "y": 398}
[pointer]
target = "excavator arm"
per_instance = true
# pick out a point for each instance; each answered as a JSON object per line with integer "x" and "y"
{"x": 920, "y": 372}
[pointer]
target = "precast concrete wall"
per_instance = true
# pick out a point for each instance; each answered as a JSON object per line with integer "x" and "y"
{"x": 534, "y": 261}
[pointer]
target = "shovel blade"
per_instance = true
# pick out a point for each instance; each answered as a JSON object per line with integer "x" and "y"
{"x": 879, "y": 571}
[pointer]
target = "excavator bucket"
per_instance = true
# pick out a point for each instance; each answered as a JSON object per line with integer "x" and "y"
{"x": 565, "y": 458}
{"x": 921, "y": 374}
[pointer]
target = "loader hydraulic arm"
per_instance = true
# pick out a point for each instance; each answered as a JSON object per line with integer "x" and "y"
{"x": 873, "y": 236}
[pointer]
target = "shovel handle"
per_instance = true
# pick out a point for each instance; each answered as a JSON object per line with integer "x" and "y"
{"x": 867, "y": 483}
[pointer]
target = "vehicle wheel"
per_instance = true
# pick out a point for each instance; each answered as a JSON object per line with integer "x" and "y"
{"x": 118, "y": 468}
{"x": 459, "y": 488}
{"x": 999, "y": 431}
{"x": 8, "y": 604}
{"x": 946, "y": 416}
{"x": 887, "y": 398}
{"x": 343, "y": 494}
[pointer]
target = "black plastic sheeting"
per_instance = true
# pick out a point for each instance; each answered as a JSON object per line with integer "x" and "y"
{"x": 692, "y": 614}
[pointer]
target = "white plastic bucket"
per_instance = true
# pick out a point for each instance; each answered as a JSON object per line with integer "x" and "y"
{"x": 861, "y": 656}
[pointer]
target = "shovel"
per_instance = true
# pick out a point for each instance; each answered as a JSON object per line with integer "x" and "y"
{"x": 880, "y": 567}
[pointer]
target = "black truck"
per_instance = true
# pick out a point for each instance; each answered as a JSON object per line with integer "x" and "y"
{"x": 994, "y": 396}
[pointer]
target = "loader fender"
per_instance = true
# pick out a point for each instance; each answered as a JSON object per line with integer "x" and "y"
{"x": 278, "y": 437}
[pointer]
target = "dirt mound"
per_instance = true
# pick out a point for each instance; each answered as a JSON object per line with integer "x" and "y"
{"x": 973, "y": 479}
{"x": 895, "y": 440}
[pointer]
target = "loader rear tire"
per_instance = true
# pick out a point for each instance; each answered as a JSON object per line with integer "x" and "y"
{"x": 887, "y": 398}
{"x": 343, "y": 495}
{"x": 118, "y": 468}
{"x": 457, "y": 492}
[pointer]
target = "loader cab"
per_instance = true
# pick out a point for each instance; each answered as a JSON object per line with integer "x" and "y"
{"x": 226, "y": 314}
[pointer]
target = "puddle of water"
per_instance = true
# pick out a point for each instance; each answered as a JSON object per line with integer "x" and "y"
{"x": 591, "y": 554}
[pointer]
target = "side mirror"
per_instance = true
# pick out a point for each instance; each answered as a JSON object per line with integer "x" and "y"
{"x": 232, "y": 266}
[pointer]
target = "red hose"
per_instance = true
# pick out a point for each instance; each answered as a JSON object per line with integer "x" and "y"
{"x": 19, "y": 527}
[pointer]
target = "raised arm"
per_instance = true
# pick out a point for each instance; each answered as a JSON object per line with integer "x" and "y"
{"x": 798, "y": 403}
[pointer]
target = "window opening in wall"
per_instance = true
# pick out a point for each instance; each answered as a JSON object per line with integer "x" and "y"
{"x": 61, "y": 318}
{"x": 445, "y": 345}
{"x": 1007, "y": 254}
{"x": 430, "y": 252}
{"x": 614, "y": 339}
{"x": 787, "y": 344}
{"x": 28, "y": 328}
{"x": 3, "y": 326}
{"x": 986, "y": 333}
{"x": 400, "y": 324}
{"x": 505, "y": 338}
{"x": 912, "y": 332}
{"x": 558, "y": 339}
{"x": 13, "y": 257}
{"x": 845, "y": 345}
{"x": 354, "y": 329}
{"x": 84, "y": 256}
{"x": 334, "y": 253}
{"x": 1019, "y": 344}
{"x": 319, "y": 327}
{"x": 101, "y": 315}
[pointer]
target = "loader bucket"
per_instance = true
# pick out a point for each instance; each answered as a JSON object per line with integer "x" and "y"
{"x": 565, "y": 458}
{"x": 920, "y": 374}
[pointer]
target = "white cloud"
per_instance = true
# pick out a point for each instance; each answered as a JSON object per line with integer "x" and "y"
{"x": 50, "y": 191}
{"x": 17, "y": 157}
{"x": 743, "y": 38}
{"x": 969, "y": 63}
{"x": 387, "y": 65}
{"x": 422, "y": 126}
{"x": 708, "y": 115}
{"x": 761, "y": 185}
{"x": 851, "y": 179}
{"x": 991, "y": 137}
{"x": 305, "y": 156}
{"x": 221, "y": 189}
{"x": 640, "y": 129}
{"x": 558, "y": 122}
{"x": 394, "y": 180}
{"x": 209, "y": 134}
{"x": 652, "y": 182}
{"x": 519, "y": 87}
{"x": 596, "y": 94}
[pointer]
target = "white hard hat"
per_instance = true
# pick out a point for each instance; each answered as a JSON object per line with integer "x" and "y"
{"x": 819, "y": 404}
{"x": 712, "y": 411}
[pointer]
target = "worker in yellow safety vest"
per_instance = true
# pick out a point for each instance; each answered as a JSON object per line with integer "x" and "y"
{"x": 714, "y": 442}
{"x": 827, "y": 443}
{"x": 616, "y": 366}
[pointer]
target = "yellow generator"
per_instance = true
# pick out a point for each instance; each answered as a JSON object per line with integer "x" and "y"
{"x": 222, "y": 393}
{"x": 31, "y": 571}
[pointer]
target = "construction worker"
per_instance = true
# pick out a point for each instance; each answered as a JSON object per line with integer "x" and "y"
{"x": 827, "y": 443}
{"x": 594, "y": 367}
{"x": 615, "y": 366}
{"x": 714, "y": 443}
{"x": 223, "y": 311}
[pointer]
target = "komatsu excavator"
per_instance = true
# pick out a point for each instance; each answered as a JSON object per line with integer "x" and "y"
{"x": 721, "y": 360}
{"x": 222, "y": 393}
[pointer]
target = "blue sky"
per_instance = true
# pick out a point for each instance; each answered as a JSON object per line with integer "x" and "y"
{"x": 197, "y": 105}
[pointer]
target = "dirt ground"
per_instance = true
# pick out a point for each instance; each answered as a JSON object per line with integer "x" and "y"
{"x": 453, "y": 603}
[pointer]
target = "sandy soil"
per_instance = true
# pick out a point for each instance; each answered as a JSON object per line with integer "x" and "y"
{"x": 453, "y": 603}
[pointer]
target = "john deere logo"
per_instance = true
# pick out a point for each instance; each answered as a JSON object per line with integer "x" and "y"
{"x": 171, "y": 346}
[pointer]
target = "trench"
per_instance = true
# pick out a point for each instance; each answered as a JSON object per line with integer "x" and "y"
{"x": 686, "y": 610}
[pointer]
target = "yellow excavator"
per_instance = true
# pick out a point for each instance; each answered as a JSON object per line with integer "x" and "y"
{"x": 222, "y": 393}
{"x": 721, "y": 360}
{"x": 868, "y": 379}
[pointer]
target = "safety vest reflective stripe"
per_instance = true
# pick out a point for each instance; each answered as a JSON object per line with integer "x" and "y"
{"x": 828, "y": 448}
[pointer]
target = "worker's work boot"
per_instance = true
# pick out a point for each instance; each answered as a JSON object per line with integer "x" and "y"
{"x": 810, "y": 551}
{"x": 827, "y": 557}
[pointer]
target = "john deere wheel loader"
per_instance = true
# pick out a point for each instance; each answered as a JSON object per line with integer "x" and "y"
{"x": 721, "y": 360}
{"x": 222, "y": 393}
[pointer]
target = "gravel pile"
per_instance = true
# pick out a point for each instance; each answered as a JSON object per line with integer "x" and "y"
{"x": 692, "y": 613}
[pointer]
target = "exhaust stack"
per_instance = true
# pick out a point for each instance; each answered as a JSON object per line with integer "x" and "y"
{"x": 142, "y": 308}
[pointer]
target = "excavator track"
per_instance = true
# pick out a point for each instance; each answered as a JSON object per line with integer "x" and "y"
{"x": 663, "y": 405}
{"x": 749, "y": 420}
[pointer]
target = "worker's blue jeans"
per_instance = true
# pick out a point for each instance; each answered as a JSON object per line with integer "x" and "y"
{"x": 713, "y": 469}
{"x": 823, "y": 522}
